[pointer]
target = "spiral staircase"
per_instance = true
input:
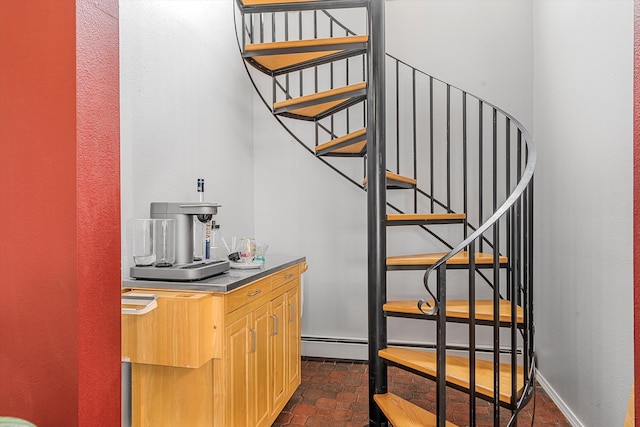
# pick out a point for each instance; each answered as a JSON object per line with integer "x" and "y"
{"x": 430, "y": 156}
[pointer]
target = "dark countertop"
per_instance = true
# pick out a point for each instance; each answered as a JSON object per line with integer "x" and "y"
{"x": 225, "y": 282}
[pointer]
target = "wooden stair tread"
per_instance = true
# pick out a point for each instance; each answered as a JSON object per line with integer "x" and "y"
{"x": 457, "y": 371}
{"x": 393, "y": 179}
{"x": 351, "y": 143}
{"x": 280, "y": 61}
{"x": 461, "y": 258}
{"x": 459, "y": 309}
{"x": 317, "y": 103}
{"x": 263, "y": 2}
{"x": 327, "y": 43}
{"x": 282, "y": 55}
{"x": 425, "y": 218}
{"x": 402, "y": 413}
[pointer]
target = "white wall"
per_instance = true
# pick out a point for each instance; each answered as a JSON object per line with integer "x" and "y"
{"x": 186, "y": 111}
{"x": 583, "y": 254}
{"x": 484, "y": 47}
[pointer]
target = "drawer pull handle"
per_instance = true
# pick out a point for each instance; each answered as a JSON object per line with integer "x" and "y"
{"x": 253, "y": 331}
{"x": 289, "y": 276}
{"x": 275, "y": 325}
{"x": 254, "y": 293}
{"x": 293, "y": 313}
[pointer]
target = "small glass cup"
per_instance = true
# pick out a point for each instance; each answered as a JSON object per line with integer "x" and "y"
{"x": 247, "y": 249}
{"x": 165, "y": 242}
{"x": 261, "y": 250}
{"x": 143, "y": 250}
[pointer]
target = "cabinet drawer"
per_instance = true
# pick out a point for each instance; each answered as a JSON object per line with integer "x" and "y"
{"x": 246, "y": 294}
{"x": 285, "y": 276}
{"x": 179, "y": 332}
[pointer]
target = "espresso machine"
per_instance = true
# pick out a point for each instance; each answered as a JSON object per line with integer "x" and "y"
{"x": 183, "y": 268}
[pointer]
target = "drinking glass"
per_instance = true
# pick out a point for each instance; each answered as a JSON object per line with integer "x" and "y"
{"x": 143, "y": 250}
{"x": 247, "y": 249}
{"x": 165, "y": 242}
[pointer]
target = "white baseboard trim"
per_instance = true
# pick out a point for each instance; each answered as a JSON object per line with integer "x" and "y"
{"x": 566, "y": 411}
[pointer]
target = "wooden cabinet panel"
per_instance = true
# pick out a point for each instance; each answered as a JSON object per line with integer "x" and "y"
{"x": 293, "y": 338}
{"x": 238, "y": 372}
{"x": 278, "y": 346}
{"x": 259, "y": 381}
{"x": 165, "y": 396}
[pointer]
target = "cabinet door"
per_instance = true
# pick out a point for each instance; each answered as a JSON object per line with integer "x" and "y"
{"x": 278, "y": 353}
{"x": 260, "y": 370}
{"x": 238, "y": 373}
{"x": 293, "y": 339}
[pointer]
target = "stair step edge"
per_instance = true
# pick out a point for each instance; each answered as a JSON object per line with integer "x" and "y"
{"x": 461, "y": 258}
{"x": 459, "y": 309}
{"x": 402, "y": 413}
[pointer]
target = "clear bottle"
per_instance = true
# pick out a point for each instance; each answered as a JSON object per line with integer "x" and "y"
{"x": 199, "y": 228}
{"x": 217, "y": 252}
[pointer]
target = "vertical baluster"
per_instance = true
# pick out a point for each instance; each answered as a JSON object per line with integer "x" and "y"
{"x": 480, "y": 166}
{"x": 261, "y": 28}
{"x": 496, "y": 325}
{"x": 431, "y": 150}
{"x": 331, "y": 72}
{"x": 300, "y": 37}
{"x": 520, "y": 255}
{"x": 252, "y": 29}
{"x": 507, "y": 182}
{"x": 496, "y": 278}
{"x": 244, "y": 33}
{"x": 397, "y": 116}
{"x": 286, "y": 38}
{"x": 273, "y": 27}
{"x": 472, "y": 333}
{"x": 513, "y": 305}
{"x": 315, "y": 36}
{"x": 449, "y": 148}
{"x": 465, "y": 166}
{"x": 441, "y": 346}
{"x": 415, "y": 140}
{"x": 530, "y": 265}
{"x": 348, "y": 127}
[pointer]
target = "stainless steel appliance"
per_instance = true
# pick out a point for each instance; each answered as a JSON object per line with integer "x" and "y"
{"x": 184, "y": 268}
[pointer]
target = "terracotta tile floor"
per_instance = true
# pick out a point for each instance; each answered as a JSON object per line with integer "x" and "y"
{"x": 335, "y": 393}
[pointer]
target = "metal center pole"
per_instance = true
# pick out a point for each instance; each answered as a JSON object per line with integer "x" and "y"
{"x": 376, "y": 207}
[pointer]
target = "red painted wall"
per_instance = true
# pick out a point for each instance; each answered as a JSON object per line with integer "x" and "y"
{"x": 636, "y": 208}
{"x": 59, "y": 213}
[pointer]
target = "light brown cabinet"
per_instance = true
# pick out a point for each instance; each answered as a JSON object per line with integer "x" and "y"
{"x": 251, "y": 337}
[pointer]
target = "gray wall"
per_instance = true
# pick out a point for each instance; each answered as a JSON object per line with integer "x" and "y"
{"x": 583, "y": 126}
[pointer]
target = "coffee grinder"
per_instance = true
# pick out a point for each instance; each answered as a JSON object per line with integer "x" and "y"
{"x": 184, "y": 268}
